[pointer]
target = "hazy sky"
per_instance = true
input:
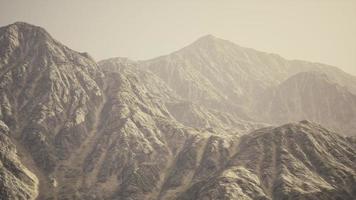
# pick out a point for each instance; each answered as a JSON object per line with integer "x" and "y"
{"x": 315, "y": 30}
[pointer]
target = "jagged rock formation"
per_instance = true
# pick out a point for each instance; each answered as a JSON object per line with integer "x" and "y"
{"x": 161, "y": 129}
{"x": 16, "y": 181}
{"x": 139, "y": 151}
{"x": 294, "y": 161}
{"x": 49, "y": 94}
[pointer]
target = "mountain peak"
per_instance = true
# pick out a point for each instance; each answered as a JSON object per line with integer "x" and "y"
{"x": 22, "y": 35}
{"x": 209, "y": 42}
{"x": 23, "y": 28}
{"x": 207, "y": 39}
{"x": 22, "y": 24}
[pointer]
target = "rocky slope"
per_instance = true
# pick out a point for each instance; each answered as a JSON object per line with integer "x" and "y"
{"x": 16, "y": 181}
{"x": 315, "y": 96}
{"x": 119, "y": 130}
{"x": 49, "y": 95}
{"x": 181, "y": 108}
{"x": 139, "y": 151}
{"x": 221, "y": 75}
{"x": 294, "y": 161}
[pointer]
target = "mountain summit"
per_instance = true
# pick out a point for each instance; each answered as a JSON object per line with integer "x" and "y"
{"x": 223, "y": 76}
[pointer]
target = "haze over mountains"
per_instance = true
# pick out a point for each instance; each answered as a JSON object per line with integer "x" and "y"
{"x": 205, "y": 122}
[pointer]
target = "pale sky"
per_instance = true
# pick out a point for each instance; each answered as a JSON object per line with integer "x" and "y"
{"x": 314, "y": 30}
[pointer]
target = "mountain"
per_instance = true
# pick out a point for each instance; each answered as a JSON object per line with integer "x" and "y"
{"x": 295, "y": 161}
{"x": 49, "y": 96}
{"x": 79, "y": 128}
{"x": 315, "y": 96}
{"x": 180, "y": 108}
{"x": 71, "y": 128}
{"x": 221, "y": 75}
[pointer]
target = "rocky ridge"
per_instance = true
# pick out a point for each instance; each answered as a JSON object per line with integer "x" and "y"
{"x": 295, "y": 161}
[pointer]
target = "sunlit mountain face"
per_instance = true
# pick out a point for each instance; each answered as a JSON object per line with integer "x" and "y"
{"x": 212, "y": 120}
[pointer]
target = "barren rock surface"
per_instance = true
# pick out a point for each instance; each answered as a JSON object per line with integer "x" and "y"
{"x": 16, "y": 181}
{"x": 294, "y": 161}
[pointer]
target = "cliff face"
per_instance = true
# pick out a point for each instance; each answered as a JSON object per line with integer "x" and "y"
{"x": 167, "y": 128}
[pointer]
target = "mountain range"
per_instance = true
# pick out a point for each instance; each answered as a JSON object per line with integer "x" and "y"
{"x": 212, "y": 120}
